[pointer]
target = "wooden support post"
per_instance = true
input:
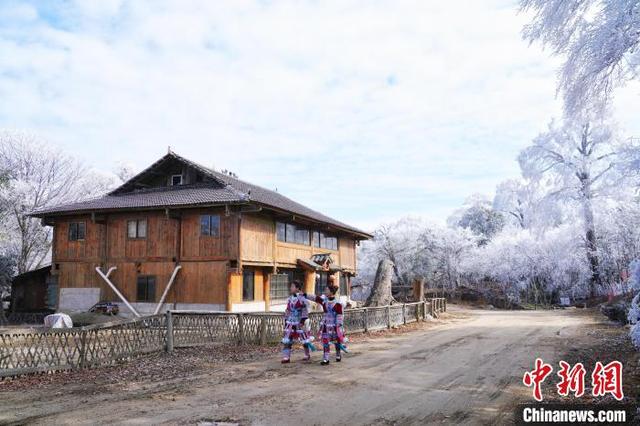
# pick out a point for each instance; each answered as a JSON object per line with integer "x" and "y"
{"x": 445, "y": 305}
{"x": 309, "y": 281}
{"x": 418, "y": 289}
{"x": 404, "y": 313}
{"x": 169, "y": 336}
{"x": 388, "y": 316}
{"x": 105, "y": 277}
{"x": 365, "y": 319}
{"x": 229, "y": 304}
{"x": 263, "y": 330}
{"x": 167, "y": 288}
{"x": 83, "y": 349}
{"x": 241, "y": 336}
{"x": 266, "y": 290}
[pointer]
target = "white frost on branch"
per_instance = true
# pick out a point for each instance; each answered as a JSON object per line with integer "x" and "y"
{"x": 598, "y": 40}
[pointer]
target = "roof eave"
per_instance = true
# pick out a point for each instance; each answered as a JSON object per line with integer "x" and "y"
{"x": 129, "y": 209}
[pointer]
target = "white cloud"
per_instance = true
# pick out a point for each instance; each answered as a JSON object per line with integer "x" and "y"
{"x": 361, "y": 110}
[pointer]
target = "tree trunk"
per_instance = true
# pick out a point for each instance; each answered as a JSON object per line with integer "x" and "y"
{"x": 3, "y": 318}
{"x": 381, "y": 291}
{"x": 591, "y": 247}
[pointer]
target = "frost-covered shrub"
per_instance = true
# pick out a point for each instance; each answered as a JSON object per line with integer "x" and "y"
{"x": 634, "y": 312}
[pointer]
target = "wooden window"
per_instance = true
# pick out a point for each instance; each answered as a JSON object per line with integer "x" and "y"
{"x": 290, "y": 233}
{"x": 280, "y": 283}
{"x": 322, "y": 280}
{"x": 146, "y": 288}
{"x": 210, "y": 225}
{"x": 176, "y": 180}
{"x": 248, "y": 284}
{"x": 281, "y": 231}
{"x": 331, "y": 243}
{"x": 302, "y": 236}
{"x": 137, "y": 228}
{"x": 279, "y": 287}
{"x": 77, "y": 231}
{"x": 322, "y": 240}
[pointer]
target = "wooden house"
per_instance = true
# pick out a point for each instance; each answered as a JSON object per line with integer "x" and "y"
{"x": 33, "y": 291}
{"x": 182, "y": 236}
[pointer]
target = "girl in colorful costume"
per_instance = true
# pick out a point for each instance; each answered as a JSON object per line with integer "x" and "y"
{"x": 332, "y": 325}
{"x": 296, "y": 318}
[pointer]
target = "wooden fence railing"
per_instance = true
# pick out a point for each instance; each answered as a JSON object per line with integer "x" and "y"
{"x": 105, "y": 344}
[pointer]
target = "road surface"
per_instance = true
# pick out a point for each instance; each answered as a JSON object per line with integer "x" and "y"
{"x": 464, "y": 370}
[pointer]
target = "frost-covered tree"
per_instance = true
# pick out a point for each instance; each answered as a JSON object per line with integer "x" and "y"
{"x": 512, "y": 200}
{"x": 525, "y": 206}
{"x": 578, "y": 160}
{"x": 478, "y": 216}
{"x": 7, "y": 272}
{"x": 598, "y": 40}
{"x": 618, "y": 236}
{"x": 634, "y": 312}
{"x": 36, "y": 176}
{"x": 398, "y": 242}
{"x": 446, "y": 248}
{"x": 125, "y": 170}
{"x": 525, "y": 263}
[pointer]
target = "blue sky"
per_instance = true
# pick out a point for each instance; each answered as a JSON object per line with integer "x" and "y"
{"x": 366, "y": 111}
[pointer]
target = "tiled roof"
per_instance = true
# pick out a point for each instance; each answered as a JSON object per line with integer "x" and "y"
{"x": 223, "y": 189}
{"x": 177, "y": 196}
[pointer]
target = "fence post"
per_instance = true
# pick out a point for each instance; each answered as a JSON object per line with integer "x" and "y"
{"x": 404, "y": 313}
{"x": 365, "y": 321}
{"x": 263, "y": 330}
{"x": 240, "y": 329}
{"x": 388, "y": 316}
{"x": 169, "y": 318}
{"x": 83, "y": 349}
{"x": 445, "y": 304}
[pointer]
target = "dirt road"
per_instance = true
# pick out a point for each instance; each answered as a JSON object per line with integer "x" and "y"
{"x": 465, "y": 370}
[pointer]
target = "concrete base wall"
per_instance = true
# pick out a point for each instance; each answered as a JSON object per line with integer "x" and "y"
{"x": 78, "y": 299}
{"x": 148, "y": 308}
{"x": 248, "y": 307}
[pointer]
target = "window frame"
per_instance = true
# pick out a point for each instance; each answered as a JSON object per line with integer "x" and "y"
{"x": 147, "y": 279}
{"x": 138, "y": 222}
{"x": 287, "y": 232}
{"x": 176, "y": 176}
{"x": 278, "y": 290}
{"x": 209, "y": 218}
{"x": 248, "y": 292}
{"x": 75, "y": 235}
{"x": 279, "y": 294}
